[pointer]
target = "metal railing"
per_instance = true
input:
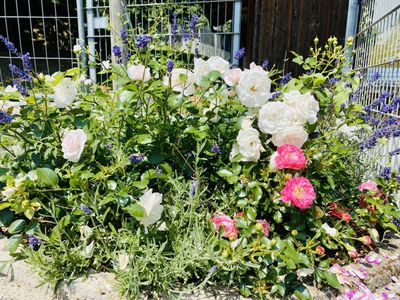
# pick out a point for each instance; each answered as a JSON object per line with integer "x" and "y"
{"x": 378, "y": 61}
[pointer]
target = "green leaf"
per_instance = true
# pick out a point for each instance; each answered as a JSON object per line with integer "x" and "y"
{"x": 47, "y": 176}
{"x": 29, "y": 212}
{"x": 6, "y": 217}
{"x": 72, "y": 72}
{"x": 4, "y": 205}
{"x": 331, "y": 279}
{"x": 17, "y": 226}
{"x": 111, "y": 185}
{"x": 302, "y": 293}
{"x": 136, "y": 210}
{"x": 144, "y": 139}
{"x": 228, "y": 175}
{"x": 298, "y": 60}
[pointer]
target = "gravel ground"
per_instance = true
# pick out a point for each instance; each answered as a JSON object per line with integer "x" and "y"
{"x": 379, "y": 279}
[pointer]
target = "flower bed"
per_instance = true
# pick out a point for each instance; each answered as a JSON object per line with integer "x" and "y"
{"x": 183, "y": 177}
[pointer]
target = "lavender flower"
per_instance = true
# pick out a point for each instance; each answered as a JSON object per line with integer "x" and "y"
{"x": 20, "y": 73}
{"x": 174, "y": 25}
{"x": 170, "y": 66}
{"x": 386, "y": 173}
{"x": 398, "y": 177}
{"x": 376, "y": 76}
{"x": 240, "y": 53}
{"x": 212, "y": 270}
{"x": 85, "y": 209}
{"x": 193, "y": 188}
{"x": 33, "y": 241}
{"x": 285, "y": 79}
{"x": 276, "y": 95}
{"x": 10, "y": 46}
{"x": 265, "y": 64}
{"x": 135, "y": 159}
{"x": 333, "y": 80}
{"x": 142, "y": 41}
{"x": 108, "y": 146}
{"x": 196, "y": 52}
{"x": 193, "y": 22}
{"x": 117, "y": 51}
{"x": 348, "y": 85}
{"x": 26, "y": 61}
{"x": 396, "y": 100}
{"x": 395, "y": 152}
{"x": 4, "y": 118}
{"x": 21, "y": 88}
{"x": 215, "y": 149}
{"x": 124, "y": 35}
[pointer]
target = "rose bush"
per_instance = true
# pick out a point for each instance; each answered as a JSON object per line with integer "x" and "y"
{"x": 183, "y": 176}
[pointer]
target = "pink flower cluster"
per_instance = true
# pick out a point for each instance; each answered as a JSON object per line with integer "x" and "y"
{"x": 227, "y": 224}
{"x": 290, "y": 157}
{"x": 298, "y": 191}
{"x": 369, "y": 186}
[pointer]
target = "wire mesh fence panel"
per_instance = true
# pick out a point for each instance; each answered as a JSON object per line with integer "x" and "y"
{"x": 378, "y": 61}
{"x": 47, "y": 29}
{"x": 217, "y": 33}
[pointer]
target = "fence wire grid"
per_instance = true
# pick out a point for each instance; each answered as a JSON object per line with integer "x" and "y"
{"x": 46, "y": 29}
{"x": 378, "y": 60}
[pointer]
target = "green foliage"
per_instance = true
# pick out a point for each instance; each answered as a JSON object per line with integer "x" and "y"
{"x": 150, "y": 167}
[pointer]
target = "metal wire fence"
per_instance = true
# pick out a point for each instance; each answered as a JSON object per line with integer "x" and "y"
{"x": 46, "y": 29}
{"x": 219, "y": 33}
{"x": 378, "y": 60}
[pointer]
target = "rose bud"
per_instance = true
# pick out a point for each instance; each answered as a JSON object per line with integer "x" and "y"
{"x": 366, "y": 240}
{"x": 320, "y": 250}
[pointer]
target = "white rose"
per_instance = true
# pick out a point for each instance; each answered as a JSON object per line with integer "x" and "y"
{"x": 65, "y": 93}
{"x": 10, "y": 89}
{"x": 16, "y": 106}
{"x": 9, "y": 191}
{"x": 106, "y": 65}
{"x": 186, "y": 87}
{"x": 138, "y": 72}
{"x": 151, "y": 202}
{"x": 275, "y": 116}
{"x": 254, "y": 88}
{"x": 305, "y": 105}
{"x": 48, "y": 79}
{"x": 73, "y": 144}
{"x": 295, "y": 135}
{"x": 255, "y": 67}
{"x": 218, "y": 63}
{"x": 77, "y": 49}
{"x": 272, "y": 163}
{"x": 88, "y": 82}
{"x": 248, "y": 145}
{"x": 329, "y": 230}
{"x": 232, "y": 77}
{"x": 201, "y": 69}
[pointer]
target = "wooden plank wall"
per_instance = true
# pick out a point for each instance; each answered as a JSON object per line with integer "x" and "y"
{"x": 272, "y": 28}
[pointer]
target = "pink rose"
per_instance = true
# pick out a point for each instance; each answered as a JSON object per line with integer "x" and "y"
{"x": 264, "y": 225}
{"x": 366, "y": 240}
{"x": 299, "y": 191}
{"x": 290, "y": 157}
{"x": 227, "y": 224}
{"x": 368, "y": 185}
{"x": 232, "y": 77}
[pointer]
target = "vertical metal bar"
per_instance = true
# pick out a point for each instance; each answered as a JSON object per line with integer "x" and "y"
{"x": 44, "y": 36}
{"x": 31, "y": 27}
{"x": 57, "y": 38}
{"x": 8, "y": 36}
{"x": 91, "y": 40}
{"x": 237, "y": 8}
{"x": 81, "y": 33}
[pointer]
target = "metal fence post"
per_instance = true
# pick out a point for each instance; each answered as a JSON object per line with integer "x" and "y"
{"x": 117, "y": 9}
{"x": 237, "y": 13}
{"x": 91, "y": 39}
{"x": 81, "y": 33}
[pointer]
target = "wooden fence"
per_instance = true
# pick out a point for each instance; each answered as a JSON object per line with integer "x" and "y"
{"x": 273, "y": 28}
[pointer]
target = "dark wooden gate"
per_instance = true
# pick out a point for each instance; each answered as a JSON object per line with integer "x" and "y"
{"x": 273, "y": 28}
